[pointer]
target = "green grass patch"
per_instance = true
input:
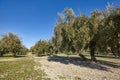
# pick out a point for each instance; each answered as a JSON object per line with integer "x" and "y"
{"x": 7, "y": 56}
{"x": 22, "y": 69}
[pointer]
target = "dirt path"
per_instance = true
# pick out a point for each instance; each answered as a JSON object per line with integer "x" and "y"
{"x": 56, "y": 70}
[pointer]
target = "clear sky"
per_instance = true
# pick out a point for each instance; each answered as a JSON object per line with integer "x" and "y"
{"x": 33, "y": 20}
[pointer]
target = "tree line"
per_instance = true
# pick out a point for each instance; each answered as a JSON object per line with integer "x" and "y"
{"x": 11, "y": 44}
{"x": 98, "y": 33}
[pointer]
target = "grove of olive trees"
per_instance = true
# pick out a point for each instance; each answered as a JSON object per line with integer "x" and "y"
{"x": 98, "y": 33}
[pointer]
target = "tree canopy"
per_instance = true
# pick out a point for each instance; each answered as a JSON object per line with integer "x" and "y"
{"x": 10, "y": 43}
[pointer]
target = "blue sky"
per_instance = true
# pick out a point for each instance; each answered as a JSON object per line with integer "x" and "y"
{"x": 33, "y": 20}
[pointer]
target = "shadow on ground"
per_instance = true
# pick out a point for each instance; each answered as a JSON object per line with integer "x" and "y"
{"x": 105, "y": 56}
{"x": 100, "y": 65}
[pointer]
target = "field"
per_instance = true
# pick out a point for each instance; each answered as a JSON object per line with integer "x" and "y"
{"x": 58, "y": 67}
{"x": 20, "y": 68}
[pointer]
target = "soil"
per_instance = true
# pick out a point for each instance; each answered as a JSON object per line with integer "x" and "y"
{"x": 60, "y": 69}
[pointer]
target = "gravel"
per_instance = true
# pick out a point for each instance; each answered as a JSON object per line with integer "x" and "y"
{"x": 59, "y": 71}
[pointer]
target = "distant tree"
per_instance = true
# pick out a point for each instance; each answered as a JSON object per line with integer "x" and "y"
{"x": 40, "y": 48}
{"x": 10, "y": 43}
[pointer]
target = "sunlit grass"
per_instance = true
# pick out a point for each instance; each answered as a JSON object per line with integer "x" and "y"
{"x": 10, "y": 56}
{"x": 7, "y": 56}
{"x": 22, "y": 69}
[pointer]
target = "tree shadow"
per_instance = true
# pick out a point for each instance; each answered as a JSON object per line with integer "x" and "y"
{"x": 100, "y": 65}
{"x": 104, "y": 56}
{"x": 109, "y": 63}
{"x": 111, "y": 57}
